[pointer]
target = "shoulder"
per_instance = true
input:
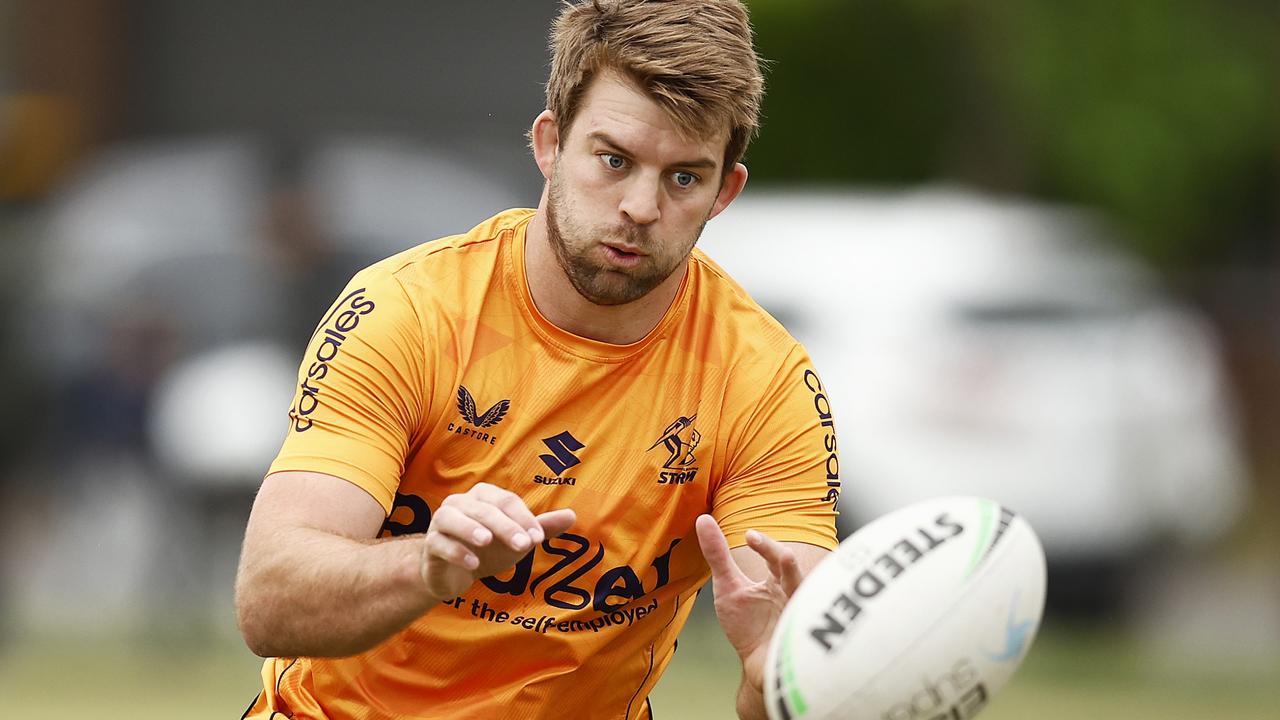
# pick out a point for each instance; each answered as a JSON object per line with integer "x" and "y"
{"x": 476, "y": 245}
{"x": 438, "y": 268}
{"x": 746, "y": 328}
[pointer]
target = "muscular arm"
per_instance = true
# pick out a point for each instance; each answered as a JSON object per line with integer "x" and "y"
{"x": 313, "y": 580}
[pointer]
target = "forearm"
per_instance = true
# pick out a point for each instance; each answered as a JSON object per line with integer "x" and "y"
{"x": 313, "y": 593}
{"x": 750, "y": 703}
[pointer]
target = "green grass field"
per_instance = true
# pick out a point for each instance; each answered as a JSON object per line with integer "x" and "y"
{"x": 1070, "y": 675}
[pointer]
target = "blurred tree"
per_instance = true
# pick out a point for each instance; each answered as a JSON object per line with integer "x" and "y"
{"x": 1162, "y": 112}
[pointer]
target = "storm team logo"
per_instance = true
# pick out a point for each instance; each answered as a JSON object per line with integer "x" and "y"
{"x": 680, "y": 440}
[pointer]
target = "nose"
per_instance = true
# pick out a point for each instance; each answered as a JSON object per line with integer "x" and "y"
{"x": 640, "y": 201}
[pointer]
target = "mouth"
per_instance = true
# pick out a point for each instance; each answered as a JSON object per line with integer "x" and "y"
{"x": 624, "y": 249}
{"x": 623, "y": 255}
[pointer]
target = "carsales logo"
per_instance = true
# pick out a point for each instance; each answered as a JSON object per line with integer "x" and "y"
{"x": 333, "y": 332}
{"x": 822, "y": 407}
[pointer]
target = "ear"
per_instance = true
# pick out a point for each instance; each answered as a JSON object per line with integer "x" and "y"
{"x": 544, "y": 136}
{"x": 730, "y": 188}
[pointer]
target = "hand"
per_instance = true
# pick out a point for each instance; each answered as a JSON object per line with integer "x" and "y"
{"x": 479, "y": 533}
{"x": 749, "y": 609}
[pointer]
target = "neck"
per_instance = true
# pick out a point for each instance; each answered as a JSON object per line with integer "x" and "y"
{"x": 560, "y": 303}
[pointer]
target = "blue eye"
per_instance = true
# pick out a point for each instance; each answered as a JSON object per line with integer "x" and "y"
{"x": 684, "y": 179}
{"x": 614, "y": 162}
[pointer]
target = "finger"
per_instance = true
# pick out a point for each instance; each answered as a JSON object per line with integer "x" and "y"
{"x": 451, "y": 520}
{"x": 557, "y": 521}
{"x": 782, "y": 562}
{"x": 510, "y": 504}
{"x": 510, "y": 531}
{"x": 755, "y": 541}
{"x": 715, "y": 549}
{"x": 443, "y": 547}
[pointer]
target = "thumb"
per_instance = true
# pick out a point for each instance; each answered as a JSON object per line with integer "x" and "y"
{"x": 715, "y": 548}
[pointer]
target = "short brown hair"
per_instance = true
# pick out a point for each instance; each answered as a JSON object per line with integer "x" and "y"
{"x": 695, "y": 58}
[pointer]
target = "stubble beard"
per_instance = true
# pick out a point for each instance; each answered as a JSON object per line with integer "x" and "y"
{"x": 572, "y": 244}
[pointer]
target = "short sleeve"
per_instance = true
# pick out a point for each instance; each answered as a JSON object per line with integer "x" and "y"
{"x": 783, "y": 474}
{"x": 359, "y": 393}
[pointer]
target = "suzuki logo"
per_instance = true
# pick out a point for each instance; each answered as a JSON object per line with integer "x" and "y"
{"x": 562, "y": 447}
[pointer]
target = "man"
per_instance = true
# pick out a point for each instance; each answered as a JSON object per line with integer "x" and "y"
{"x": 515, "y": 455}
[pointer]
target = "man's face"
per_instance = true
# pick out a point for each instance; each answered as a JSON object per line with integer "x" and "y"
{"x": 629, "y": 195}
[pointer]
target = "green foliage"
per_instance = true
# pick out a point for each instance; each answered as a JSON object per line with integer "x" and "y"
{"x": 1163, "y": 113}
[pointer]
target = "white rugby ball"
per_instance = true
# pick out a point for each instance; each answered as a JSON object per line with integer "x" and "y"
{"x": 923, "y": 614}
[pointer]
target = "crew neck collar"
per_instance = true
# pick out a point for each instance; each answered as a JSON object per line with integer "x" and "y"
{"x": 553, "y": 334}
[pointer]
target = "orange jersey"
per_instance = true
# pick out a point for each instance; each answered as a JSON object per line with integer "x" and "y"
{"x": 434, "y": 371}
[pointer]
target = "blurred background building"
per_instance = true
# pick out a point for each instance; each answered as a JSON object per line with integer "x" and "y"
{"x": 1032, "y": 246}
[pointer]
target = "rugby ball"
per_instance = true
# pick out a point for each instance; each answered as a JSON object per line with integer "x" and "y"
{"x": 923, "y": 614}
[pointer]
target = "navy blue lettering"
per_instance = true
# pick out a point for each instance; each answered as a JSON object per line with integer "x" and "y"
{"x": 347, "y": 321}
{"x": 620, "y": 582}
{"x": 816, "y": 385}
{"x": 303, "y": 407}
{"x": 662, "y": 564}
{"x": 348, "y": 311}
{"x": 568, "y": 555}
{"x": 517, "y": 583}
{"x": 317, "y": 371}
{"x": 328, "y": 344}
{"x": 418, "y": 516}
{"x": 615, "y": 588}
{"x": 822, "y": 407}
{"x": 554, "y": 595}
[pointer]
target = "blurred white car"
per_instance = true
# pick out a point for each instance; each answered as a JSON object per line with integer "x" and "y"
{"x": 1001, "y": 349}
